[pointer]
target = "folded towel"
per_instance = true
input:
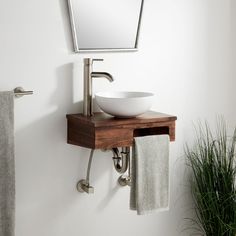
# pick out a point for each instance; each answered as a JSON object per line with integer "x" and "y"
{"x": 7, "y": 166}
{"x": 150, "y": 174}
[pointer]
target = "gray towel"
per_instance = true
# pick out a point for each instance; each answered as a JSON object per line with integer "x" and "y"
{"x": 7, "y": 165}
{"x": 150, "y": 174}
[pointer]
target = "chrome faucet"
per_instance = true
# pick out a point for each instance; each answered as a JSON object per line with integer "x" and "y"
{"x": 88, "y": 88}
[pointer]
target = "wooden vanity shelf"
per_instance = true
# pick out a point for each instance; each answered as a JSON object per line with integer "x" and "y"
{"x": 102, "y": 131}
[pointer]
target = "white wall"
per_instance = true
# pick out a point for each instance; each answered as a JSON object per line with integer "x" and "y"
{"x": 186, "y": 57}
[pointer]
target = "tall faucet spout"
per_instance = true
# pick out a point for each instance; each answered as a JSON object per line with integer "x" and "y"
{"x": 89, "y": 75}
{"x": 102, "y": 75}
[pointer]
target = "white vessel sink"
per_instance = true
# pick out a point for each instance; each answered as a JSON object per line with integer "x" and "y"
{"x": 124, "y": 104}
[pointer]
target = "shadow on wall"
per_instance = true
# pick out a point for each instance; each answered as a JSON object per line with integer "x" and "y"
{"x": 233, "y": 50}
{"x": 64, "y": 93}
{"x": 233, "y": 28}
{"x": 47, "y": 168}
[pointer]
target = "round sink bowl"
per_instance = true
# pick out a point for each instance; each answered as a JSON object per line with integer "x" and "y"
{"x": 124, "y": 104}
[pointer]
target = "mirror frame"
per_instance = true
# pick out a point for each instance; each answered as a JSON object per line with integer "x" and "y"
{"x": 75, "y": 38}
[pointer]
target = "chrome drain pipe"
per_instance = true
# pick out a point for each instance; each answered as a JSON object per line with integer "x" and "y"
{"x": 121, "y": 159}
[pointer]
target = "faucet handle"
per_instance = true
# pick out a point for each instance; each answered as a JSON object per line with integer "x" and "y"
{"x": 98, "y": 59}
{"x": 89, "y": 61}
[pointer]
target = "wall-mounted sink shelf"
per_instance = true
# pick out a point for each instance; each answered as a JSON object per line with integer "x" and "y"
{"x": 102, "y": 131}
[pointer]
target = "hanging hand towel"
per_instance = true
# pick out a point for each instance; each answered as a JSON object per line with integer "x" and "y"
{"x": 7, "y": 166}
{"x": 150, "y": 174}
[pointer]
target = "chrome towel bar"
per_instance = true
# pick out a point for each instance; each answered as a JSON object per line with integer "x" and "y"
{"x": 19, "y": 92}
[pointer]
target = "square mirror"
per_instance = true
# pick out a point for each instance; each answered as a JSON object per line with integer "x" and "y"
{"x": 105, "y": 25}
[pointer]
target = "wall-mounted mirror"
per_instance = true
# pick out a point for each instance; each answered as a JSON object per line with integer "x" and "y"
{"x": 105, "y": 25}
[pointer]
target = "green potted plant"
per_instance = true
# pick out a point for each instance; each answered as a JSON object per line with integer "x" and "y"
{"x": 212, "y": 163}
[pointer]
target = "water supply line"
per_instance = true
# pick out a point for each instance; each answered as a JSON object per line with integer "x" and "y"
{"x": 121, "y": 162}
{"x": 84, "y": 185}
